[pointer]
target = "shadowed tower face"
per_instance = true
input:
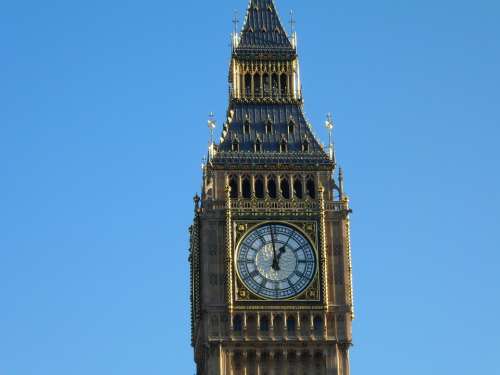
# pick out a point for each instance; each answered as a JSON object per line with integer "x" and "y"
{"x": 270, "y": 260}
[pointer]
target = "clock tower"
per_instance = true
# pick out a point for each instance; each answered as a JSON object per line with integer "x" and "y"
{"x": 271, "y": 283}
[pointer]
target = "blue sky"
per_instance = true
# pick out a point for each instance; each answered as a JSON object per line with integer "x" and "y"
{"x": 103, "y": 108}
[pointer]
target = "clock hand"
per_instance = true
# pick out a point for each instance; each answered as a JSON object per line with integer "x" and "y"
{"x": 275, "y": 265}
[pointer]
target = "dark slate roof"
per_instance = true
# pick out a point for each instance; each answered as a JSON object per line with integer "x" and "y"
{"x": 263, "y": 29}
{"x": 280, "y": 116}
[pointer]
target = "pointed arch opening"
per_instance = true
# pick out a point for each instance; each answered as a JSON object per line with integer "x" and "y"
{"x": 233, "y": 184}
{"x": 267, "y": 85}
{"x": 318, "y": 325}
{"x": 248, "y": 84}
{"x": 285, "y": 188}
{"x": 284, "y": 85}
{"x": 311, "y": 188}
{"x": 297, "y": 187}
{"x": 271, "y": 187}
{"x": 259, "y": 187}
{"x": 291, "y": 325}
{"x": 264, "y": 324}
{"x": 237, "y": 323}
{"x": 246, "y": 190}
{"x": 275, "y": 85}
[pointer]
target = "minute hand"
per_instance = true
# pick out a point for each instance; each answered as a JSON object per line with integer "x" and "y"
{"x": 275, "y": 265}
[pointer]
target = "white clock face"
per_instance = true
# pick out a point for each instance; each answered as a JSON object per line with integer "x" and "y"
{"x": 275, "y": 261}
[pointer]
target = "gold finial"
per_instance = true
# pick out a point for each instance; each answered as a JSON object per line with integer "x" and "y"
{"x": 329, "y": 125}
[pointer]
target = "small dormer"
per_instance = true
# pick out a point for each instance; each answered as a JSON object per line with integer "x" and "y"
{"x": 283, "y": 144}
{"x": 258, "y": 145}
{"x": 246, "y": 125}
{"x": 269, "y": 126}
{"x": 291, "y": 126}
{"x": 236, "y": 145}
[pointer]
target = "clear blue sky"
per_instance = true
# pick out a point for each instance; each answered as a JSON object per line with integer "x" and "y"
{"x": 103, "y": 108}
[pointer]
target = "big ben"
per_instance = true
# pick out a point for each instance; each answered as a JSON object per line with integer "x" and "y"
{"x": 270, "y": 257}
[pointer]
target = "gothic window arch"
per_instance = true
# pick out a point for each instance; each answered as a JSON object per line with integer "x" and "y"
{"x": 275, "y": 84}
{"x": 310, "y": 187}
{"x": 318, "y": 325}
{"x": 237, "y": 323}
{"x": 257, "y": 85}
{"x": 285, "y": 188}
{"x": 291, "y": 325}
{"x": 278, "y": 325}
{"x": 233, "y": 184}
{"x": 267, "y": 84}
{"x": 271, "y": 187}
{"x": 246, "y": 190}
{"x": 264, "y": 324}
{"x": 248, "y": 84}
{"x": 297, "y": 187}
{"x": 284, "y": 84}
{"x": 259, "y": 187}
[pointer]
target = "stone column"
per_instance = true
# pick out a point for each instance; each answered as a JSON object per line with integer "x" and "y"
{"x": 266, "y": 190}
{"x": 253, "y": 185}
{"x": 253, "y": 86}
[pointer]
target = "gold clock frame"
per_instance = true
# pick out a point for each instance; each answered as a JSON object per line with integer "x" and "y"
{"x": 310, "y": 230}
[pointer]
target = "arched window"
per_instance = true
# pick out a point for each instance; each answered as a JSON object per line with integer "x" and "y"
{"x": 271, "y": 188}
{"x": 237, "y": 323}
{"x": 284, "y": 85}
{"x": 248, "y": 85}
{"x": 318, "y": 325}
{"x": 264, "y": 324}
{"x": 246, "y": 191}
{"x": 283, "y": 145}
{"x": 291, "y": 326}
{"x": 285, "y": 188}
{"x": 258, "y": 145}
{"x": 235, "y": 145}
{"x": 311, "y": 190}
{"x": 259, "y": 187}
{"x": 267, "y": 84}
{"x": 234, "y": 187}
{"x": 275, "y": 84}
{"x": 297, "y": 188}
{"x": 291, "y": 126}
{"x": 278, "y": 325}
{"x": 257, "y": 85}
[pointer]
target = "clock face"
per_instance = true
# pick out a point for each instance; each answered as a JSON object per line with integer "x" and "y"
{"x": 276, "y": 261}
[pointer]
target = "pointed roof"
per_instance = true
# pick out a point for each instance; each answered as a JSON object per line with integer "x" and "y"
{"x": 263, "y": 29}
{"x": 269, "y": 125}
